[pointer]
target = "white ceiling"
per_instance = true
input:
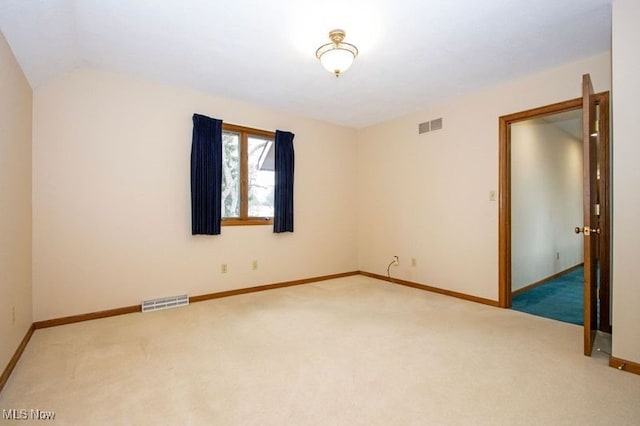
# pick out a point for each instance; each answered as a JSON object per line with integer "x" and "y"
{"x": 569, "y": 122}
{"x": 413, "y": 53}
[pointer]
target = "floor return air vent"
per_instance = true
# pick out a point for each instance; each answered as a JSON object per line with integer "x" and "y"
{"x": 165, "y": 303}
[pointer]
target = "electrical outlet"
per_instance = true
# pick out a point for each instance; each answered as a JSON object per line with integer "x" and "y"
{"x": 396, "y": 260}
{"x": 254, "y": 265}
{"x": 492, "y": 195}
{"x": 223, "y": 268}
{"x": 13, "y": 315}
{"x": 414, "y": 262}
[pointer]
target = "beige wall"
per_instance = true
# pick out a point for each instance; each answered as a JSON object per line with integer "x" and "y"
{"x": 111, "y": 192}
{"x": 626, "y": 179}
{"x": 427, "y": 196}
{"x": 15, "y": 204}
{"x": 111, "y": 195}
{"x": 546, "y": 201}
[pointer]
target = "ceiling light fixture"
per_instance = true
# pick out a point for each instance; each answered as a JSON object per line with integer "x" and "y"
{"x": 337, "y": 56}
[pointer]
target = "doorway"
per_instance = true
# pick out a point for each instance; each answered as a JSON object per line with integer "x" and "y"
{"x": 546, "y": 203}
{"x": 595, "y": 198}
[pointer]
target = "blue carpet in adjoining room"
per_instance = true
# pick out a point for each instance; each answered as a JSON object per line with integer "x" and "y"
{"x": 560, "y": 299}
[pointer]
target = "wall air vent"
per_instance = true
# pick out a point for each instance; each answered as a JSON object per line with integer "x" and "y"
{"x": 165, "y": 303}
{"x": 430, "y": 126}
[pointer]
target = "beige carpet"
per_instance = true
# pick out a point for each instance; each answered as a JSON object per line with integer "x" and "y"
{"x": 353, "y": 351}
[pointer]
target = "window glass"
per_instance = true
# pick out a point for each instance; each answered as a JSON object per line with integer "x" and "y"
{"x": 261, "y": 176}
{"x": 230, "y": 174}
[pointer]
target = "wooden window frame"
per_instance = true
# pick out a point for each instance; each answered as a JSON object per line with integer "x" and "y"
{"x": 244, "y": 133}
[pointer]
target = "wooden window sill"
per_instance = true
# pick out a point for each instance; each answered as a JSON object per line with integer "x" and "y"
{"x": 249, "y": 222}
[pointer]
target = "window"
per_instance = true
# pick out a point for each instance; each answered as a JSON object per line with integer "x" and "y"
{"x": 248, "y": 159}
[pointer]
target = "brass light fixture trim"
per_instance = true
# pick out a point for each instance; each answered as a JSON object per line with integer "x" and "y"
{"x": 337, "y": 56}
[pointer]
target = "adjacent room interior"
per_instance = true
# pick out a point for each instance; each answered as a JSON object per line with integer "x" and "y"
{"x": 546, "y": 203}
{"x": 364, "y": 285}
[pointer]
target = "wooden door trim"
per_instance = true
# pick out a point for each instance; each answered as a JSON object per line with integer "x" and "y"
{"x": 504, "y": 215}
{"x": 504, "y": 199}
{"x": 604, "y": 189}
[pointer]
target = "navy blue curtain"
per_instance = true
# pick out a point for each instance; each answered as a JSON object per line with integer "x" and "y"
{"x": 206, "y": 175}
{"x": 283, "y": 196}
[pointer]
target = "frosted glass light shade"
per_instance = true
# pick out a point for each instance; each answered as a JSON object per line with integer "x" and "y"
{"x": 337, "y": 60}
{"x": 336, "y": 57}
